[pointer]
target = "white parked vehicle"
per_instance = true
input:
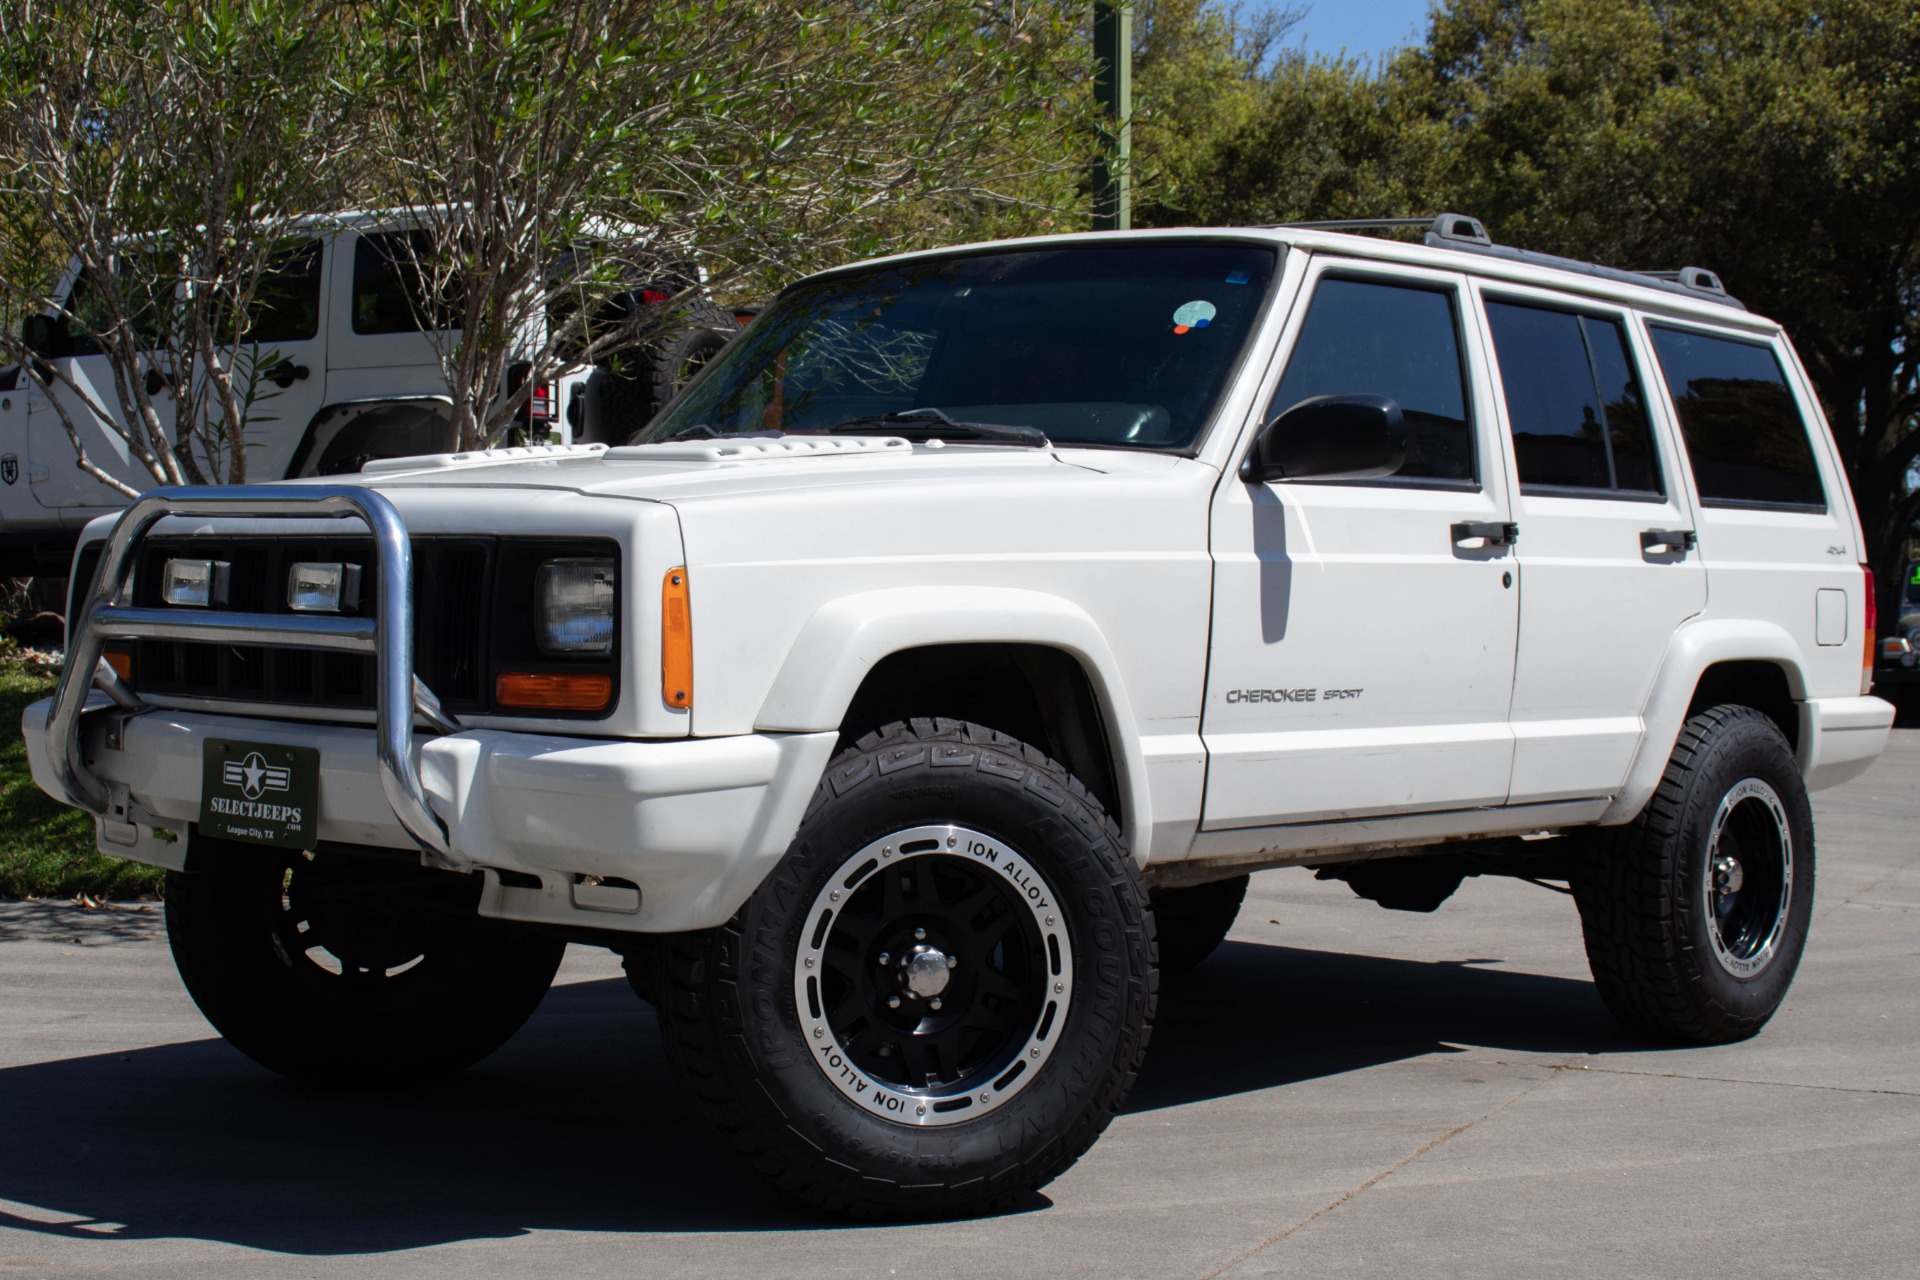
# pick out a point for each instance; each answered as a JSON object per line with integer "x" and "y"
{"x": 348, "y": 376}
{"x": 932, "y": 676}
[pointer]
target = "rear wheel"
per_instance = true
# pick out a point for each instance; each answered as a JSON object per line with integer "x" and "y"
{"x": 1695, "y": 914}
{"x": 939, "y": 999}
{"x": 350, "y": 970}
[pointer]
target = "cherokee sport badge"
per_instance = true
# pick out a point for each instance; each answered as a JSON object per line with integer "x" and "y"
{"x": 260, "y": 792}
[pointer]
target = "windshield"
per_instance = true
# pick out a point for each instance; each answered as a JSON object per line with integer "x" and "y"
{"x": 1126, "y": 345}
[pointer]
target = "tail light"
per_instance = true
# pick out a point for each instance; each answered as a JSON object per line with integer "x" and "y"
{"x": 1871, "y": 630}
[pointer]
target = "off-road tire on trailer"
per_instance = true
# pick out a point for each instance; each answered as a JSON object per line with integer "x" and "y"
{"x": 346, "y": 970}
{"x": 955, "y": 907}
{"x": 1696, "y": 913}
{"x": 1191, "y": 923}
{"x": 656, "y": 372}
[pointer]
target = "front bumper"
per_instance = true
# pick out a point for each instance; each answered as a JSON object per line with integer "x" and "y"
{"x": 694, "y": 823}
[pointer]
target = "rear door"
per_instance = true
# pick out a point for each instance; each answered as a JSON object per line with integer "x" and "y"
{"x": 1363, "y": 632}
{"x": 1606, "y": 559}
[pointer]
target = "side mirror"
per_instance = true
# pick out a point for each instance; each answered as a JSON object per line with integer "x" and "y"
{"x": 1357, "y": 436}
{"x": 46, "y": 336}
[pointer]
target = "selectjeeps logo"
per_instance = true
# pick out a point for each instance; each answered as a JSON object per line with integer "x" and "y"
{"x": 255, "y": 777}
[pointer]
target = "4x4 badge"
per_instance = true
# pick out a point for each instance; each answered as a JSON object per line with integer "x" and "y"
{"x": 10, "y": 468}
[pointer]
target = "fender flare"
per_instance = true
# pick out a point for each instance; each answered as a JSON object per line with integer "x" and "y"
{"x": 302, "y": 452}
{"x": 847, "y": 637}
{"x": 1695, "y": 646}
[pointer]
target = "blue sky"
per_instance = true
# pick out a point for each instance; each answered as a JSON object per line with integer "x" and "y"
{"x": 1364, "y": 28}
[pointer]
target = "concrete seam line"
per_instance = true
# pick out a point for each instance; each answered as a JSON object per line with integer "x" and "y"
{"x": 1374, "y": 1181}
{"x": 1774, "y": 1084}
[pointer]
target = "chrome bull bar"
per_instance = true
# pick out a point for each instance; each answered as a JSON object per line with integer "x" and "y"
{"x": 388, "y": 636}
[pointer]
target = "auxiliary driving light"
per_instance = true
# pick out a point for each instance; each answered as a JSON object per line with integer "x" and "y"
{"x": 323, "y": 588}
{"x": 201, "y": 584}
{"x": 575, "y": 606}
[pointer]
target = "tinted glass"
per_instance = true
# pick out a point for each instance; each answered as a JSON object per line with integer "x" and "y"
{"x": 1573, "y": 402}
{"x": 1629, "y": 433}
{"x": 1742, "y": 429}
{"x": 1126, "y": 346}
{"x": 286, "y": 305}
{"x": 1389, "y": 340}
{"x": 389, "y": 287}
{"x": 149, "y": 295}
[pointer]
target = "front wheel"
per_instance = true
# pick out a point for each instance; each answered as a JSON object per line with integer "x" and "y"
{"x": 337, "y": 969}
{"x": 1696, "y": 913}
{"x": 940, "y": 997}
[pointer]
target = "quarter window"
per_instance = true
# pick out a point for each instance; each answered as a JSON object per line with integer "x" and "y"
{"x": 1574, "y": 404}
{"x": 286, "y": 302}
{"x": 1402, "y": 341}
{"x": 1743, "y": 431}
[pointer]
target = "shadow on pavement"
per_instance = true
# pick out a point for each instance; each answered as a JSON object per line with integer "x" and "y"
{"x": 577, "y": 1125}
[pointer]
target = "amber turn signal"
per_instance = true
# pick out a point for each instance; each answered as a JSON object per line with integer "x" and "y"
{"x": 121, "y": 661}
{"x": 533, "y": 691}
{"x": 676, "y": 641}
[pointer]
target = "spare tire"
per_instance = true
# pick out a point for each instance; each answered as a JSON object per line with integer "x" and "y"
{"x": 630, "y": 397}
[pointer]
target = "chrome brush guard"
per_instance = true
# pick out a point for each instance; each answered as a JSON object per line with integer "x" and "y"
{"x": 388, "y": 636}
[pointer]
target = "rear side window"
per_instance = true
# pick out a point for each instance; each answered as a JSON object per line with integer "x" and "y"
{"x": 1743, "y": 431}
{"x": 1579, "y": 420}
{"x": 390, "y": 286}
{"x": 1392, "y": 340}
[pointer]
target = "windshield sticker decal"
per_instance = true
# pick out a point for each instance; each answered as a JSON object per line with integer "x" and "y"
{"x": 1193, "y": 315}
{"x": 1237, "y": 276}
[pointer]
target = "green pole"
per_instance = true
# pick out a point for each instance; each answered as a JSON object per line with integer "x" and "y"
{"x": 1113, "y": 91}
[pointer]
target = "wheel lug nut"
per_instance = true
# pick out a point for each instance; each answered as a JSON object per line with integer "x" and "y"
{"x": 919, "y": 935}
{"x": 935, "y": 1002}
{"x": 885, "y": 958}
{"x": 953, "y": 962}
{"x": 893, "y": 1002}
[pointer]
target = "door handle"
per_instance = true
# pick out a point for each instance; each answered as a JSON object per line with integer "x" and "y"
{"x": 1678, "y": 541}
{"x": 1492, "y": 533}
{"x": 157, "y": 382}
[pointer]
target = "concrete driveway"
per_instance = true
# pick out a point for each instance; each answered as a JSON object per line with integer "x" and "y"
{"x": 1341, "y": 1090}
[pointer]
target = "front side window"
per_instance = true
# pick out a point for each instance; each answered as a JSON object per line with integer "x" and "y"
{"x": 1128, "y": 346}
{"x": 1400, "y": 341}
{"x": 1574, "y": 405}
{"x": 1744, "y": 434}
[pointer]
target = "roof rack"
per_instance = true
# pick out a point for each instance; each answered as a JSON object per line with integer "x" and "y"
{"x": 1460, "y": 231}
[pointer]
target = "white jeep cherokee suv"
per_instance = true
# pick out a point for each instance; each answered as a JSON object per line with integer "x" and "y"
{"x": 934, "y": 671}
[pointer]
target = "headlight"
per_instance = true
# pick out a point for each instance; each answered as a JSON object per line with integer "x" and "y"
{"x": 200, "y": 584}
{"x": 574, "y": 606}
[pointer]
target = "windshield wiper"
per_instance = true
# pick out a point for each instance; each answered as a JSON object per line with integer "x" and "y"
{"x": 932, "y": 423}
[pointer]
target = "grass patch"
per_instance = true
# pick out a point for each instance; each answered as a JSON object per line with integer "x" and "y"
{"x": 46, "y": 848}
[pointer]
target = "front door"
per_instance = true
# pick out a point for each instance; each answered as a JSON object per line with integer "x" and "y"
{"x": 1364, "y": 632}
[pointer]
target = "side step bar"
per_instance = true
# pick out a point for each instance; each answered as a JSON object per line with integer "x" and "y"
{"x": 388, "y": 636}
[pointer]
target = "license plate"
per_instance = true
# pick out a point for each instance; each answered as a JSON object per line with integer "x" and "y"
{"x": 260, "y": 792}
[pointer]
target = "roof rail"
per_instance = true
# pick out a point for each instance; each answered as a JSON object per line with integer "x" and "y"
{"x": 1442, "y": 229}
{"x": 1459, "y": 231}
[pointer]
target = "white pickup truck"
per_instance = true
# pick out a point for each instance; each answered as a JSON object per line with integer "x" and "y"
{"x": 936, "y": 669}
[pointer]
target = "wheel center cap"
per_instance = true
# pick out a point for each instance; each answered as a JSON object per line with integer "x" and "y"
{"x": 1727, "y": 874}
{"x": 926, "y": 972}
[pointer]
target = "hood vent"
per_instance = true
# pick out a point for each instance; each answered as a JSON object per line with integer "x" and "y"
{"x": 713, "y": 451}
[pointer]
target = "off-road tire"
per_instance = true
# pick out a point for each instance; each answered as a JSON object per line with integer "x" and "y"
{"x": 733, "y": 1020}
{"x": 655, "y": 373}
{"x": 1191, "y": 923}
{"x": 235, "y": 925}
{"x": 1644, "y": 912}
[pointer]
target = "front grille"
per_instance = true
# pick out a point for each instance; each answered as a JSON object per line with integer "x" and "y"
{"x": 451, "y": 607}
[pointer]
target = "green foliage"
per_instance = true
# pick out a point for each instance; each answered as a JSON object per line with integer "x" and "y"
{"x": 46, "y": 848}
{"x": 1771, "y": 141}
